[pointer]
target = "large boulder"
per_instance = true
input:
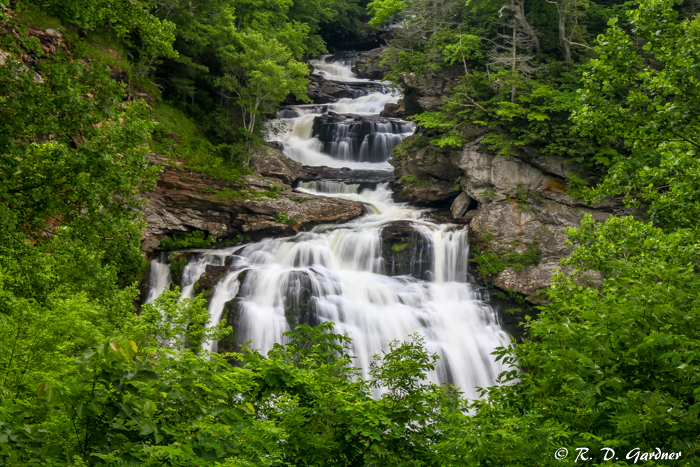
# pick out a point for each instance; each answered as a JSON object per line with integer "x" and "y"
{"x": 425, "y": 175}
{"x": 406, "y": 251}
{"x": 366, "y": 38}
{"x": 368, "y": 65}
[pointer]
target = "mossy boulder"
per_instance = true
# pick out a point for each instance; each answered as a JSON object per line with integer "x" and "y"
{"x": 406, "y": 251}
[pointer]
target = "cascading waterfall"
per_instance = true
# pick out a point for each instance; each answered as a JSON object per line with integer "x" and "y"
{"x": 358, "y": 145}
{"x": 381, "y": 277}
{"x": 335, "y": 67}
{"x": 159, "y": 277}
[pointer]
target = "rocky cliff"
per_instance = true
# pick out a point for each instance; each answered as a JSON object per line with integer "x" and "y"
{"x": 259, "y": 205}
{"x": 517, "y": 208}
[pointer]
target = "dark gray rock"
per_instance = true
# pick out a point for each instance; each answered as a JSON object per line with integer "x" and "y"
{"x": 368, "y": 65}
{"x": 425, "y": 175}
{"x": 426, "y": 93}
{"x": 406, "y": 251}
{"x": 323, "y": 91}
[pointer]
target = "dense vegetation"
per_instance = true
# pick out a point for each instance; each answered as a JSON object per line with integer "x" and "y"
{"x": 612, "y": 362}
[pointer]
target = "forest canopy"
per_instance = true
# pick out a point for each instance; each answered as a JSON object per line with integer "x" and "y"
{"x": 86, "y": 379}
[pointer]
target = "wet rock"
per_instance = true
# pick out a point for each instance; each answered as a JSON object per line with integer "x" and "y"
{"x": 298, "y": 300}
{"x": 208, "y": 280}
{"x": 232, "y": 317}
{"x": 363, "y": 138}
{"x": 347, "y": 175}
{"x": 406, "y": 251}
{"x": 368, "y": 38}
{"x": 368, "y": 65}
{"x": 177, "y": 262}
{"x": 324, "y": 91}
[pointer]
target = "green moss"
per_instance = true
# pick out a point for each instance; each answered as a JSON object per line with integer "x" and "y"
{"x": 283, "y": 219}
{"x": 576, "y": 186}
{"x": 399, "y": 247}
{"x": 177, "y": 266}
{"x": 493, "y": 263}
{"x": 412, "y": 180}
{"x": 229, "y": 194}
{"x": 195, "y": 239}
{"x": 401, "y": 152}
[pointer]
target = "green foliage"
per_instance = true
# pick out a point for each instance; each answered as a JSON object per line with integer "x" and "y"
{"x": 179, "y": 138}
{"x": 283, "y": 219}
{"x": 413, "y": 180}
{"x": 648, "y": 98}
{"x": 383, "y": 10}
{"x": 397, "y": 247}
{"x": 196, "y": 239}
{"x": 490, "y": 262}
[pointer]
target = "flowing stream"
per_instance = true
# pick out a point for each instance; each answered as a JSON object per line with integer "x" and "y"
{"x": 357, "y": 275}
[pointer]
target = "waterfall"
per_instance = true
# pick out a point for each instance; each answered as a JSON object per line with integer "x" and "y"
{"x": 381, "y": 277}
{"x": 158, "y": 277}
{"x": 335, "y": 67}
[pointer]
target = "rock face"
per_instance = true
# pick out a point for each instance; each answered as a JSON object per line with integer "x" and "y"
{"x": 270, "y": 162}
{"x": 368, "y": 65}
{"x": 517, "y": 208}
{"x": 425, "y": 175}
{"x": 255, "y": 206}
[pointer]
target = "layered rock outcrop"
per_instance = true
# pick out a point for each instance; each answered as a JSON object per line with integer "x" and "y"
{"x": 256, "y": 206}
{"x": 518, "y": 208}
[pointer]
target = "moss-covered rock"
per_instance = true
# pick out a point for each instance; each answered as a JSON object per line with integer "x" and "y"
{"x": 406, "y": 251}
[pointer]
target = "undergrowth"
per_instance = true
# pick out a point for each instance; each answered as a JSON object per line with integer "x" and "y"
{"x": 493, "y": 263}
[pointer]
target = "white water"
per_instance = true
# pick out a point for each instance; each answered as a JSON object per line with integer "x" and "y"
{"x": 338, "y": 273}
{"x": 159, "y": 278}
{"x": 336, "y": 67}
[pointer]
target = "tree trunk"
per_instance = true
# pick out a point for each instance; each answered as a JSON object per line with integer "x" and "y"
{"x": 563, "y": 41}
{"x": 518, "y": 9}
{"x": 512, "y": 85}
